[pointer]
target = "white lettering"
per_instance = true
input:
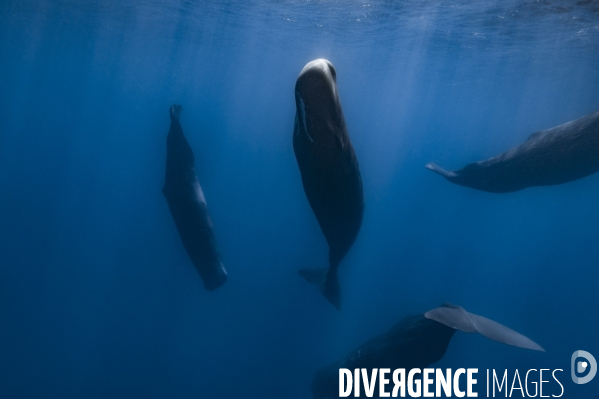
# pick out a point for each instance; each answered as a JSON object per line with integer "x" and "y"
{"x": 503, "y": 380}
{"x": 516, "y": 375}
{"x": 411, "y": 383}
{"x": 534, "y": 383}
{"x": 382, "y": 382}
{"x": 443, "y": 382}
{"x": 541, "y": 384}
{"x": 456, "y": 383}
{"x": 560, "y": 384}
{"x": 344, "y": 389}
{"x": 471, "y": 382}
{"x": 426, "y": 381}
{"x": 399, "y": 381}
{"x": 369, "y": 387}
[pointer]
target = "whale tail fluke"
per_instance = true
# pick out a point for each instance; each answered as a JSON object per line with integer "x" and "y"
{"x": 175, "y": 111}
{"x": 437, "y": 169}
{"x": 326, "y": 281}
{"x": 332, "y": 289}
{"x": 215, "y": 278}
{"x": 314, "y": 275}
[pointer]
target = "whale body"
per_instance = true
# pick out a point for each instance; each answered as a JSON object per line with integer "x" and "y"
{"x": 549, "y": 157}
{"x": 188, "y": 207}
{"x": 329, "y": 169}
{"x": 415, "y": 342}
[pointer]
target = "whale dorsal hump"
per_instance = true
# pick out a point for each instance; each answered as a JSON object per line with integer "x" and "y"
{"x": 534, "y": 135}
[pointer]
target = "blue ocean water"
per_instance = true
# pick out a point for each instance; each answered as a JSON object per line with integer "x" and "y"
{"x": 98, "y": 298}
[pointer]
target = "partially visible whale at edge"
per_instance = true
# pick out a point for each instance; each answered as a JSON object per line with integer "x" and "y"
{"x": 415, "y": 342}
{"x": 188, "y": 206}
{"x": 549, "y": 157}
{"x": 329, "y": 169}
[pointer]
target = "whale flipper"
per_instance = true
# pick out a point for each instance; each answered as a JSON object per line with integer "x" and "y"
{"x": 458, "y": 318}
{"x": 326, "y": 282}
{"x": 437, "y": 169}
{"x": 415, "y": 342}
{"x": 314, "y": 275}
{"x": 332, "y": 289}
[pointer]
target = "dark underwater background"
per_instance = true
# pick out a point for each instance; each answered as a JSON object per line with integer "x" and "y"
{"x": 98, "y": 298}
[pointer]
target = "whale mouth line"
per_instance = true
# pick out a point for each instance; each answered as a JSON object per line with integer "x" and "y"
{"x": 304, "y": 121}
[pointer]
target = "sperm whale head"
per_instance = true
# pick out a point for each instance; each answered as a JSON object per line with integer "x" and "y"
{"x": 316, "y": 97}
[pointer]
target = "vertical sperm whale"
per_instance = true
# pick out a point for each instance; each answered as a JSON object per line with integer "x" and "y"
{"x": 329, "y": 169}
{"x": 188, "y": 206}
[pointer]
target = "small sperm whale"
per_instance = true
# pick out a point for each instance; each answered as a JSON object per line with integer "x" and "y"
{"x": 329, "y": 169}
{"x": 415, "y": 342}
{"x": 555, "y": 156}
{"x": 188, "y": 208}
